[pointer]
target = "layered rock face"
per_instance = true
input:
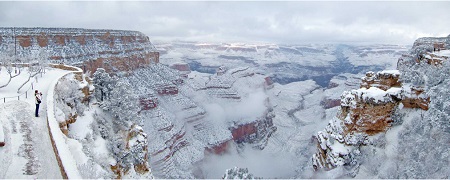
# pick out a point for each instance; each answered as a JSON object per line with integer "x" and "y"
{"x": 113, "y": 50}
{"x": 364, "y": 112}
{"x": 135, "y": 152}
{"x": 180, "y": 125}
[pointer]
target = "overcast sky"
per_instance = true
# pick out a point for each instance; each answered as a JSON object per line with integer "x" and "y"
{"x": 276, "y": 22}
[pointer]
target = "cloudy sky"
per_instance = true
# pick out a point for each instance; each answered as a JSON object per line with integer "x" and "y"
{"x": 254, "y": 21}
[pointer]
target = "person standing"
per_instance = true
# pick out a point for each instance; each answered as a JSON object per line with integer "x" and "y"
{"x": 38, "y": 100}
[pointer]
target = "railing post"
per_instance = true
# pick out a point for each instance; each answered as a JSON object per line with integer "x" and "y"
{"x": 4, "y": 100}
{"x": 26, "y": 94}
{"x": 18, "y": 97}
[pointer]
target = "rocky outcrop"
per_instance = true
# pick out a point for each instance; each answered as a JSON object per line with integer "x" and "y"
{"x": 219, "y": 148}
{"x": 64, "y": 125}
{"x": 364, "y": 112}
{"x": 244, "y": 132}
{"x": 427, "y": 49}
{"x": 368, "y": 110}
{"x": 268, "y": 83}
{"x": 137, "y": 144}
{"x": 255, "y": 132}
{"x": 135, "y": 155}
{"x": 382, "y": 80}
{"x": 89, "y": 49}
{"x": 414, "y": 97}
{"x": 148, "y": 102}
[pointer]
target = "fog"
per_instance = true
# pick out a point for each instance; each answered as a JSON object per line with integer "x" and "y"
{"x": 259, "y": 163}
{"x": 247, "y": 109}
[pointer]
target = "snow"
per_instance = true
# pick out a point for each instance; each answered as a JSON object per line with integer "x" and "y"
{"x": 2, "y": 134}
{"x": 339, "y": 148}
{"x": 344, "y": 82}
{"x": 10, "y": 92}
{"x": 442, "y": 53}
{"x": 81, "y": 128}
{"x": 21, "y": 129}
{"x": 375, "y": 94}
{"x": 393, "y": 72}
{"x": 394, "y": 91}
{"x": 59, "y": 115}
{"x": 76, "y": 149}
{"x": 60, "y": 139}
{"x": 100, "y": 147}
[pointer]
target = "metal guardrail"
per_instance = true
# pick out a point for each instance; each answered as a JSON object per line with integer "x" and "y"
{"x": 25, "y": 93}
{"x": 66, "y": 165}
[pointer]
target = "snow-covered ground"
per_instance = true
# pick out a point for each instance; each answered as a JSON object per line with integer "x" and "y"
{"x": 28, "y": 152}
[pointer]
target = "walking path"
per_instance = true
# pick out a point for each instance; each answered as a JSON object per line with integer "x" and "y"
{"x": 28, "y": 152}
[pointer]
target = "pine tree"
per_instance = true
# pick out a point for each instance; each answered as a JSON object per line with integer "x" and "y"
{"x": 102, "y": 83}
{"x": 123, "y": 104}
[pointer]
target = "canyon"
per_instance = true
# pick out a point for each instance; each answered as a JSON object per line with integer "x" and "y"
{"x": 201, "y": 101}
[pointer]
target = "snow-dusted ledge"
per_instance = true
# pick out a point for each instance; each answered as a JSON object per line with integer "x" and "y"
{"x": 64, "y": 157}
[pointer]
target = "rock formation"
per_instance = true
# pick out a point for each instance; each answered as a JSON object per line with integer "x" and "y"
{"x": 182, "y": 133}
{"x": 363, "y": 113}
{"x": 135, "y": 155}
{"x": 113, "y": 50}
{"x": 368, "y": 111}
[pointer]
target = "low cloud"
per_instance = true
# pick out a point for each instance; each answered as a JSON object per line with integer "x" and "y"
{"x": 259, "y": 163}
{"x": 250, "y": 108}
{"x": 279, "y": 22}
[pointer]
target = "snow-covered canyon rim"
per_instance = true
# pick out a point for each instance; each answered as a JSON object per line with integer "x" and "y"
{"x": 255, "y": 107}
{"x": 89, "y": 49}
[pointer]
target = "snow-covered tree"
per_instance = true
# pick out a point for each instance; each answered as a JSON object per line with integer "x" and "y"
{"x": 103, "y": 84}
{"x": 68, "y": 92}
{"x": 123, "y": 104}
{"x": 8, "y": 59}
{"x": 238, "y": 173}
{"x": 422, "y": 150}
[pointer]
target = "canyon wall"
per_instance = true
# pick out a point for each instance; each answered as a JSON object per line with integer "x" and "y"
{"x": 89, "y": 49}
{"x": 177, "y": 115}
{"x": 364, "y": 112}
{"x": 383, "y": 101}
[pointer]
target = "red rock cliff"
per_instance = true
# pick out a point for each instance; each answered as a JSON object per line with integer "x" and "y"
{"x": 364, "y": 112}
{"x": 89, "y": 49}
